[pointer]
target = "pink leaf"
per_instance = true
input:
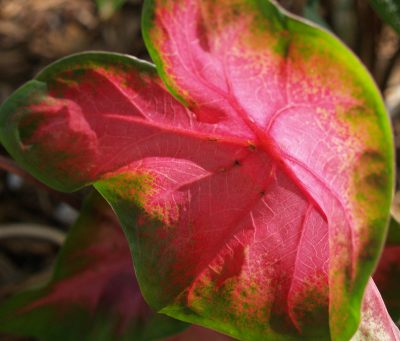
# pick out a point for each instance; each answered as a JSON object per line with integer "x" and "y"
{"x": 376, "y": 324}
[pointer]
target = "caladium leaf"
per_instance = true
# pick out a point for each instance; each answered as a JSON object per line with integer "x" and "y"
{"x": 376, "y": 324}
{"x": 389, "y": 10}
{"x": 93, "y": 294}
{"x": 302, "y": 95}
{"x": 197, "y": 333}
{"x": 387, "y": 277}
{"x": 249, "y": 197}
{"x": 387, "y": 273}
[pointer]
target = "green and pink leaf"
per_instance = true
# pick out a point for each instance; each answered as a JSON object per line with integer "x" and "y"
{"x": 249, "y": 192}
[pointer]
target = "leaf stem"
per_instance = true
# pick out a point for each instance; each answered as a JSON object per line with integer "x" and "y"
{"x": 34, "y": 231}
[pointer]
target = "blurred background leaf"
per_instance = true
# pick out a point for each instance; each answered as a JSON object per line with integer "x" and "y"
{"x": 93, "y": 293}
{"x": 107, "y": 8}
{"x": 389, "y": 10}
{"x": 387, "y": 273}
